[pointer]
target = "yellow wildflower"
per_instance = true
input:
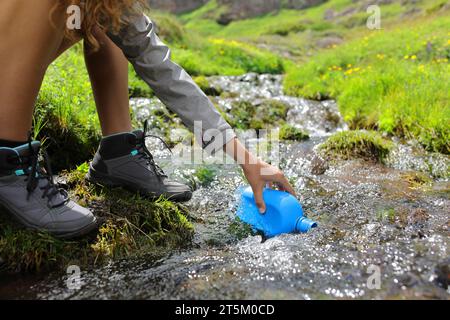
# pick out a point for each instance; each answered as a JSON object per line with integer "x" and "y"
{"x": 406, "y": 57}
{"x": 413, "y": 57}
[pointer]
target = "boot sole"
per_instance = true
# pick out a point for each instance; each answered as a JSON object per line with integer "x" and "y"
{"x": 60, "y": 235}
{"x": 95, "y": 177}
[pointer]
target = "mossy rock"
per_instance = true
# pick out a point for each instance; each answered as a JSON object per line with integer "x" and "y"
{"x": 240, "y": 229}
{"x": 266, "y": 114}
{"x": 368, "y": 145}
{"x": 291, "y": 133}
{"x": 130, "y": 226}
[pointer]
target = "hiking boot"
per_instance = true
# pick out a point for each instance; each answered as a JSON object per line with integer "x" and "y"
{"x": 30, "y": 195}
{"x": 123, "y": 160}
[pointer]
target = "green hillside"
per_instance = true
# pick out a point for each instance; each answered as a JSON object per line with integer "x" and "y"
{"x": 396, "y": 79}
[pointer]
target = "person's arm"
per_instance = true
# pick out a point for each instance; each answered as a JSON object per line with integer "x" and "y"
{"x": 176, "y": 89}
{"x": 258, "y": 173}
{"x": 151, "y": 59}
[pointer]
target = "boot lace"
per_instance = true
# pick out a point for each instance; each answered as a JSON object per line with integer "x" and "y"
{"x": 144, "y": 153}
{"x": 34, "y": 174}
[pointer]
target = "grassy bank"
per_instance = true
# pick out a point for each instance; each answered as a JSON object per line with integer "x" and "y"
{"x": 129, "y": 226}
{"x": 396, "y": 81}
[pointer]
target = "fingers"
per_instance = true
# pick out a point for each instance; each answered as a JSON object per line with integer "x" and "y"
{"x": 284, "y": 183}
{"x": 258, "y": 192}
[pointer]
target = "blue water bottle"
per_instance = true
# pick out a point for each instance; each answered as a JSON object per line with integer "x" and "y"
{"x": 284, "y": 213}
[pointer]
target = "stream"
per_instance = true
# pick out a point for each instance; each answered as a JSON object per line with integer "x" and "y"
{"x": 373, "y": 221}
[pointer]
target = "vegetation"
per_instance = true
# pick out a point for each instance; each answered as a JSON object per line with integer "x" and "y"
{"x": 268, "y": 113}
{"x": 346, "y": 145}
{"x": 395, "y": 80}
{"x": 130, "y": 226}
{"x": 288, "y": 132}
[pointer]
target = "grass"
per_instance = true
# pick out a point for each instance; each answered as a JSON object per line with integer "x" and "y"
{"x": 376, "y": 86}
{"x": 346, "y": 145}
{"x": 267, "y": 114}
{"x": 214, "y": 56}
{"x": 395, "y": 81}
{"x": 65, "y": 116}
{"x": 291, "y": 133}
{"x": 131, "y": 226}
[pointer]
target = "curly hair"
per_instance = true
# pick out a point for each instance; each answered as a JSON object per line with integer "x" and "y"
{"x": 104, "y": 14}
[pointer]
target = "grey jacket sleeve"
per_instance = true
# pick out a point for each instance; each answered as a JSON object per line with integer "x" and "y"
{"x": 151, "y": 59}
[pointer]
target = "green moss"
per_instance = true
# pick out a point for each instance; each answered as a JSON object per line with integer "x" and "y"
{"x": 131, "y": 226}
{"x": 289, "y": 132}
{"x": 205, "y": 175}
{"x": 239, "y": 229}
{"x": 206, "y": 87}
{"x": 417, "y": 179}
{"x": 269, "y": 113}
{"x": 368, "y": 145}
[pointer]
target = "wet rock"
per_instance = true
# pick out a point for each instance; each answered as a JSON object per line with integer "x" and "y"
{"x": 318, "y": 118}
{"x": 328, "y": 42}
{"x": 318, "y": 165}
{"x": 409, "y": 280}
{"x": 176, "y": 6}
{"x": 237, "y": 9}
{"x": 419, "y": 216}
{"x": 413, "y": 157}
{"x": 442, "y": 271}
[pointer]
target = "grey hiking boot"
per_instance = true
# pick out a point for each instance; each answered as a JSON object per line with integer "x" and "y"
{"x": 29, "y": 194}
{"x": 123, "y": 160}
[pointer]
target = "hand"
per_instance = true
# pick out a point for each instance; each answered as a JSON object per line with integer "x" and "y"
{"x": 258, "y": 173}
{"x": 262, "y": 174}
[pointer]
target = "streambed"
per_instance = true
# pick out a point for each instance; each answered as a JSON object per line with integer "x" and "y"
{"x": 371, "y": 217}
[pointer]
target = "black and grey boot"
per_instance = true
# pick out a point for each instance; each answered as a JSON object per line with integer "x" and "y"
{"x": 29, "y": 194}
{"x": 123, "y": 160}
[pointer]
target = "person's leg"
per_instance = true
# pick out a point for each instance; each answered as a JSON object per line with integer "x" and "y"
{"x": 28, "y": 44}
{"x": 108, "y": 71}
{"x": 122, "y": 158}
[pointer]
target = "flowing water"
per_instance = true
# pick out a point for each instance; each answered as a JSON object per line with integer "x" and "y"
{"x": 373, "y": 221}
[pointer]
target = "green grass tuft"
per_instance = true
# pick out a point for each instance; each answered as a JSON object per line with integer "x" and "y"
{"x": 368, "y": 145}
{"x": 269, "y": 113}
{"x": 291, "y": 133}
